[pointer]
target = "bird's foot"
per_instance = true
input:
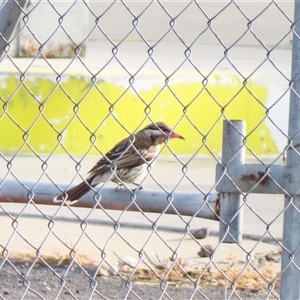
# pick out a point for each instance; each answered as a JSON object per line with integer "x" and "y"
{"x": 138, "y": 188}
{"x": 119, "y": 186}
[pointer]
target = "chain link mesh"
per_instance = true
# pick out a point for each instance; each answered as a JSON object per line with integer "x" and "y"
{"x": 78, "y": 76}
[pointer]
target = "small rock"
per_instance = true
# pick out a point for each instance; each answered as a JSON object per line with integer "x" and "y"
{"x": 205, "y": 251}
{"x": 200, "y": 233}
{"x": 103, "y": 272}
{"x": 126, "y": 269}
{"x": 274, "y": 256}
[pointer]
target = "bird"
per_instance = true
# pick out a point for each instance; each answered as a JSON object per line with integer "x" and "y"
{"x": 126, "y": 162}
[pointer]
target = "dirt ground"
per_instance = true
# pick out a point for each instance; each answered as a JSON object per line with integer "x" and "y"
{"x": 43, "y": 283}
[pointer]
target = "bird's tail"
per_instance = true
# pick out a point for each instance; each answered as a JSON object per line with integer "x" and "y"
{"x": 75, "y": 193}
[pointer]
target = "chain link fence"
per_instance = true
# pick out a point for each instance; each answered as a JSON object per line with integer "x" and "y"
{"x": 212, "y": 223}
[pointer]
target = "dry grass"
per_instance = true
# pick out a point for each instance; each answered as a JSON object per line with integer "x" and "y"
{"x": 53, "y": 260}
{"x": 232, "y": 274}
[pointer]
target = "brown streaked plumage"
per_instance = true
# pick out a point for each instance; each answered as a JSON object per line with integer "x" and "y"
{"x": 126, "y": 162}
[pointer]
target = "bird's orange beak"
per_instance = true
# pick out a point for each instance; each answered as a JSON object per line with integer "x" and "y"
{"x": 175, "y": 135}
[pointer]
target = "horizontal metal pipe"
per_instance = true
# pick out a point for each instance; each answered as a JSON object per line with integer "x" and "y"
{"x": 185, "y": 203}
{"x": 251, "y": 177}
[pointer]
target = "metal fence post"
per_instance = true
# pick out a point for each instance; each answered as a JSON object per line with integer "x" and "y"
{"x": 10, "y": 12}
{"x": 233, "y": 154}
{"x": 290, "y": 278}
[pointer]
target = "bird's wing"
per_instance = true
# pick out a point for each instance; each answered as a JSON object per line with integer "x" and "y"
{"x": 133, "y": 158}
{"x": 123, "y": 155}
